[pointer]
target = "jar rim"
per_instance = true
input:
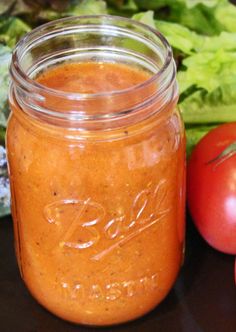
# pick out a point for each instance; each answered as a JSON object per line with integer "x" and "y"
{"x": 18, "y": 72}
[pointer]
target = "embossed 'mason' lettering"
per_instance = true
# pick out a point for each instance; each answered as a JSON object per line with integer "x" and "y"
{"x": 79, "y": 219}
{"x": 110, "y": 291}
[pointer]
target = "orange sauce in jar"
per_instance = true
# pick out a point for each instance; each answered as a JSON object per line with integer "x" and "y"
{"x": 99, "y": 221}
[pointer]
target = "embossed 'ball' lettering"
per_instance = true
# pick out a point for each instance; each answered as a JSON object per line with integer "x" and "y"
{"x": 76, "y": 222}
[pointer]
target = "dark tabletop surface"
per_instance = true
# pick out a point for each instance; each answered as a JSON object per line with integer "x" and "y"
{"x": 203, "y": 298}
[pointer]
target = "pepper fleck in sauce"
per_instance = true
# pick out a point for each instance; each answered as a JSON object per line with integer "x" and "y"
{"x": 98, "y": 224}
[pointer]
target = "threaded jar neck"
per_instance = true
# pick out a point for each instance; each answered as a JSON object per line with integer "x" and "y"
{"x": 97, "y": 39}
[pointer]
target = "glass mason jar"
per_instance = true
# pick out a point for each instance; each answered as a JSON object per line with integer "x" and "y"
{"x": 97, "y": 179}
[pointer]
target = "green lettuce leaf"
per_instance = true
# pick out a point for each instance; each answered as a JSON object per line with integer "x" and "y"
{"x": 207, "y": 78}
{"x": 207, "y": 3}
{"x": 76, "y": 8}
{"x": 153, "y": 4}
{"x": 186, "y": 40}
{"x": 156, "y": 4}
{"x": 5, "y": 58}
{"x": 146, "y": 18}
{"x": 189, "y": 41}
{"x": 225, "y": 14}
{"x": 215, "y": 107}
{"x": 122, "y": 7}
{"x": 11, "y": 30}
{"x": 86, "y": 7}
{"x": 42, "y": 10}
{"x": 200, "y": 18}
{"x": 179, "y": 37}
{"x": 225, "y": 41}
{"x": 207, "y": 17}
{"x": 208, "y": 70}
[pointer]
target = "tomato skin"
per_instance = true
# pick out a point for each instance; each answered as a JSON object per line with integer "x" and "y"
{"x": 211, "y": 189}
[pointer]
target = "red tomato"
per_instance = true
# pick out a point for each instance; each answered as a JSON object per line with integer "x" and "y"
{"x": 211, "y": 187}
